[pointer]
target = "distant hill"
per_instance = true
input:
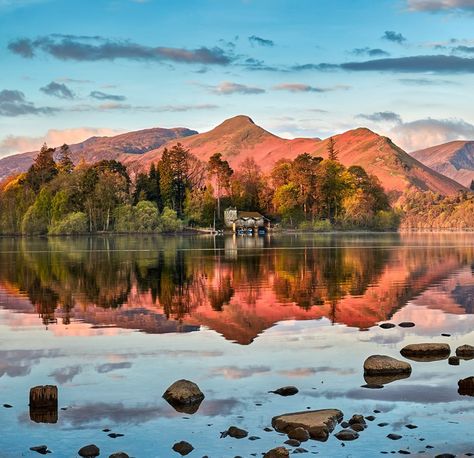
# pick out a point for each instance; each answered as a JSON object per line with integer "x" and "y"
{"x": 454, "y": 159}
{"x": 239, "y": 138}
{"x": 96, "y": 148}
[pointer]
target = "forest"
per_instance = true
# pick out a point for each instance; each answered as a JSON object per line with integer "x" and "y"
{"x": 56, "y": 196}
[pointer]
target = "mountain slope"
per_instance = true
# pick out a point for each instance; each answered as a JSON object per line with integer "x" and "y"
{"x": 454, "y": 159}
{"x": 96, "y": 148}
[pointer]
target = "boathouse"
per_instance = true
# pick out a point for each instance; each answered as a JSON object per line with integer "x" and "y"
{"x": 242, "y": 221}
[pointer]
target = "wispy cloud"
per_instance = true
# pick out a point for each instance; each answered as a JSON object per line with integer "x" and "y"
{"x": 425, "y": 82}
{"x": 259, "y": 41}
{"x": 372, "y": 52}
{"x": 13, "y": 103}
{"x": 230, "y": 87}
{"x": 59, "y": 90}
{"x": 84, "y": 48}
{"x": 441, "y": 5}
{"x": 300, "y": 87}
{"x": 394, "y": 37}
{"x": 99, "y": 95}
{"x": 382, "y": 116}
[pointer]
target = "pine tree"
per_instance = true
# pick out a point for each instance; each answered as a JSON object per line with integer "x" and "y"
{"x": 43, "y": 170}
{"x": 332, "y": 152}
{"x": 65, "y": 163}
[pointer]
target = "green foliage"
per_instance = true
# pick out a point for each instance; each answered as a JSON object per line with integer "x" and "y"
{"x": 38, "y": 216}
{"x": 316, "y": 226}
{"x": 71, "y": 224}
{"x": 170, "y": 221}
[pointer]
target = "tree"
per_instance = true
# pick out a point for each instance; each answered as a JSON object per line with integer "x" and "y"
{"x": 65, "y": 164}
{"x": 247, "y": 185}
{"x": 332, "y": 152}
{"x": 221, "y": 171}
{"x": 43, "y": 169}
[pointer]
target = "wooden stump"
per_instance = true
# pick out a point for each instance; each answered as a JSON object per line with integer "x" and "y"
{"x": 44, "y": 404}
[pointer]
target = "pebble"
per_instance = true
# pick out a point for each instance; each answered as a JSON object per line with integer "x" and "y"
{"x": 183, "y": 448}
{"x": 387, "y": 325}
{"x": 41, "y": 449}
{"x": 406, "y": 324}
{"x": 394, "y": 437}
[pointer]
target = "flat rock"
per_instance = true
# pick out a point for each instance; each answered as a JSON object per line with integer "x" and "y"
{"x": 346, "y": 435}
{"x": 386, "y": 325}
{"x": 184, "y": 395}
{"x": 278, "y": 452}
{"x": 183, "y": 448}
{"x": 286, "y": 391}
{"x": 406, "y": 324}
{"x": 426, "y": 351}
{"x": 89, "y": 451}
{"x": 318, "y": 423}
{"x": 465, "y": 351}
{"x": 394, "y": 437}
{"x": 385, "y": 365}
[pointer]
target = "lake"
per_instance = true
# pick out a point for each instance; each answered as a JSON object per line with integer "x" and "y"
{"x": 113, "y": 321}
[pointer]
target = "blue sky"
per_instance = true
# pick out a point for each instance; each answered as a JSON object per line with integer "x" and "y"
{"x": 71, "y": 69}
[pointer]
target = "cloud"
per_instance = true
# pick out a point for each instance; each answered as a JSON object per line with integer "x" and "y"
{"x": 13, "y": 103}
{"x": 394, "y": 37}
{"x": 235, "y": 373}
{"x": 19, "y": 144}
{"x": 99, "y": 95}
{"x": 73, "y": 80}
{"x": 424, "y": 133}
{"x": 229, "y": 87}
{"x": 18, "y": 363}
{"x": 109, "y": 367}
{"x": 440, "y": 5}
{"x": 65, "y": 374}
{"x": 82, "y": 48}
{"x": 59, "y": 90}
{"x": 464, "y": 49}
{"x": 299, "y": 87}
{"x": 117, "y": 106}
{"x": 382, "y": 116}
{"x": 372, "y": 52}
{"x": 254, "y": 40}
{"x": 425, "y": 82}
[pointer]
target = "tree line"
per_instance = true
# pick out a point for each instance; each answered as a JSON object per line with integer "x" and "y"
{"x": 55, "y": 196}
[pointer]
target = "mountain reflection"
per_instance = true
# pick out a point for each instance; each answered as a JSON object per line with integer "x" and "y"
{"x": 237, "y": 286}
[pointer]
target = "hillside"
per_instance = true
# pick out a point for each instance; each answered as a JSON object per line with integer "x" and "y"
{"x": 454, "y": 159}
{"x": 96, "y": 148}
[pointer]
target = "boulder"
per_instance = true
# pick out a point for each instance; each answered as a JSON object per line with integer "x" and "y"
{"x": 300, "y": 434}
{"x": 184, "y": 396}
{"x": 278, "y": 452}
{"x": 346, "y": 435}
{"x": 394, "y": 437}
{"x": 465, "y": 351}
{"x": 357, "y": 419}
{"x": 119, "y": 455}
{"x": 378, "y": 365}
{"x": 286, "y": 391}
{"x": 183, "y": 448}
{"x": 41, "y": 449}
{"x": 318, "y": 423}
{"x": 426, "y": 351}
{"x": 236, "y": 433}
{"x": 466, "y": 386}
{"x": 453, "y": 360}
{"x": 89, "y": 451}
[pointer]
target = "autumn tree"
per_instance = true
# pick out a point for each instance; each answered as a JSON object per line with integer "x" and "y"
{"x": 221, "y": 172}
{"x": 43, "y": 169}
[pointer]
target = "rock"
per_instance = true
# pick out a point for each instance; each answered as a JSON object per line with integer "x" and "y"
{"x": 300, "y": 434}
{"x": 357, "y": 419}
{"x": 236, "y": 433}
{"x": 385, "y": 365}
{"x": 184, "y": 396}
{"x": 465, "y": 351}
{"x": 394, "y": 437}
{"x": 358, "y": 427}
{"x": 410, "y": 426}
{"x": 300, "y": 450}
{"x": 426, "y": 351}
{"x": 7, "y": 406}
{"x": 406, "y": 324}
{"x": 370, "y": 418}
{"x": 183, "y": 448}
{"x": 466, "y": 386}
{"x": 445, "y": 334}
{"x": 278, "y": 452}
{"x": 382, "y": 424}
{"x": 44, "y": 404}
{"x": 286, "y": 391}
{"x": 119, "y": 455}
{"x": 115, "y": 435}
{"x": 346, "y": 435}
{"x": 445, "y": 455}
{"x": 373, "y": 386}
{"x": 41, "y": 449}
{"x": 378, "y": 381}
{"x": 293, "y": 442}
{"x": 89, "y": 451}
{"x": 453, "y": 361}
{"x": 386, "y": 325}
{"x": 254, "y": 438}
{"x": 345, "y": 424}
{"x": 318, "y": 423}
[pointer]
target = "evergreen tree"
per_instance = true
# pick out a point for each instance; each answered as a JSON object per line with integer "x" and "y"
{"x": 65, "y": 163}
{"x": 222, "y": 172}
{"x": 332, "y": 151}
{"x": 43, "y": 170}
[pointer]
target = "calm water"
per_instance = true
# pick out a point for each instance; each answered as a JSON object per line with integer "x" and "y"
{"x": 114, "y": 321}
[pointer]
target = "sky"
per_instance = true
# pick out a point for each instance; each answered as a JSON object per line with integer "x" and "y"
{"x": 72, "y": 69}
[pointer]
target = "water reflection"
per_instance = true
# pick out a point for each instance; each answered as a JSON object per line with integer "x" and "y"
{"x": 236, "y": 286}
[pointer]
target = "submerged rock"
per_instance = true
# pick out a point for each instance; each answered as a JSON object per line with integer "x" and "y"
{"x": 236, "y": 433}
{"x": 318, "y": 423}
{"x": 286, "y": 391}
{"x": 183, "y": 448}
{"x": 41, "y": 449}
{"x": 406, "y": 324}
{"x": 394, "y": 437}
{"x": 184, "y": 396}
{"x": 89, "y": 451}
{"x": 426, "y": 351}
{"x": 378, "y": 365}
{"x": 386, "y": 325}
{"x": 347, "y": 435}
{"x": 466, "y": 386}
{"x": 119, "y": 455}
{"x": 278, "y": 452}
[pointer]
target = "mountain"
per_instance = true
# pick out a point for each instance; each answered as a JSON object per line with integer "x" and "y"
{"x": 239, "y": 138}
{"x": 454, "y": 159}
{"x": 96, "y": 148}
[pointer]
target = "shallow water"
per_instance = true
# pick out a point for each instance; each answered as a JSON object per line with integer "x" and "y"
{"x": 114, "y": 321}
